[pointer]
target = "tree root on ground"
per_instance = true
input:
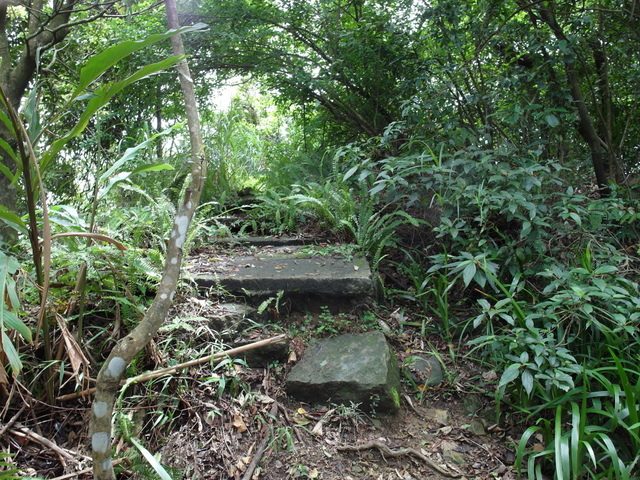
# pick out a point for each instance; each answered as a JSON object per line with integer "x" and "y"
{"x": 387, "y": 452}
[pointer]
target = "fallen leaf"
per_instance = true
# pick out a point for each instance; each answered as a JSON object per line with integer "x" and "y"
{"x": 292, "y": 357}
{"x": 280, "y": 267}
{"x": 313, "y": 473}
{"x": 238, "y": 422}
{"x": 266, "y": 399}
{"x": 300, "y": 420}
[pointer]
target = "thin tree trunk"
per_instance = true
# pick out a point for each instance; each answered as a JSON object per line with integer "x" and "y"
{"x": 108, "y": 380}
{"x": 587, "y": 128}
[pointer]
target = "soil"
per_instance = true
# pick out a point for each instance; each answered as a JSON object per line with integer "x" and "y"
{"x": 234, "y": 421}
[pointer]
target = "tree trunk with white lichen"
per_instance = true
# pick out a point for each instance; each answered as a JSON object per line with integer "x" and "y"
{"x": 112, "y": 372}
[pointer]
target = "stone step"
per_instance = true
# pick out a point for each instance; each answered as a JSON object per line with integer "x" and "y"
{"x": 298, "y": 279}
{"x": 271, "y": 241}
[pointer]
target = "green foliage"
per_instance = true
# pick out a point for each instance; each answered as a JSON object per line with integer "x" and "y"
{"x": 593, "y": 431}
{"x": 9, "y": 319}
{"x": 7, "y": 470}
{"x": 153, "y": 462}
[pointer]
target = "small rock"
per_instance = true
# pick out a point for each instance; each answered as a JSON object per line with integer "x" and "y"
{"x": 450, "y": 455}
{"x": 473, "y": 405}
{"x": 424, "y": 370}
{"x": 440, "y": 416}
{"x": 230, "y": 318}
{"x": 477, "y": 427}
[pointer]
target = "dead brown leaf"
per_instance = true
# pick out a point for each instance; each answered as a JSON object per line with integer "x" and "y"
{"x": 238, "y": 422}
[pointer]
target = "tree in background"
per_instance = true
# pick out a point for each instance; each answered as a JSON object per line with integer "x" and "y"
{"x": 549, "y": 79}
{"x": 30, "y": 36}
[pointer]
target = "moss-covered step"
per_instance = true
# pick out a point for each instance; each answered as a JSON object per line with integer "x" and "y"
{"x": 298, "y": 279}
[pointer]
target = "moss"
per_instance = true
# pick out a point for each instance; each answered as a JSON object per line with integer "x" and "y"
{"x": 396, "y": 397}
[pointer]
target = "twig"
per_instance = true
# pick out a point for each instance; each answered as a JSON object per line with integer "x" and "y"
{"x": 12, "y": 421}
{"x": 263, "y": 446}
{"x": 74, "y": 395}
{"x": 227, "y": 353}
{"x": 86, "y": 470}
{"x": 387, "y": 452}
{"x": 171, "y": 370}
{"x": 25, "y": 432}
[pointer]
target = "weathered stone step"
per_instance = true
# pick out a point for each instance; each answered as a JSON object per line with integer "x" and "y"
{"x": 348, "y": 369}
{"x": 271, "y": 241}
{"x": 301, "y": 280}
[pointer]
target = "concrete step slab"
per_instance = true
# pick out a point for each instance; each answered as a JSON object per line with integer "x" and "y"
{"x": 301, "y": 280}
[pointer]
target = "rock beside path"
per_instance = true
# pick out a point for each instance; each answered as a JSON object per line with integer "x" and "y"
{"x": 351, "y": 368}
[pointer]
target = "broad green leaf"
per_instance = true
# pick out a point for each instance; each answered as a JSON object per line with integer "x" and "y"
{"x": 527, "y": 381}
{"x": 350, "y": 173}
{"x": 510, "y": 374}
{"x": 605, "y": 269}
{"x": 100, "y": 63}
{"x": 552, "y": 120}
{"x": 13, "y": 220}
{"x": 468, "y": 273}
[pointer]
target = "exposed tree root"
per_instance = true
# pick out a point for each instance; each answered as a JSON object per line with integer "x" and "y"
{"x": 387, "y": 452}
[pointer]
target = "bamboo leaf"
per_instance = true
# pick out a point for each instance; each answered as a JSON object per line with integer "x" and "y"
{"x": 130, "y": 153}
{"x": 10, "y": 320}
{"x": 11, "y": 353}
{"x": 152, "y": 167}
{"x": 102, "y": 97}
{"x": 95, "y": 236}
{"x": 162, "y": 473}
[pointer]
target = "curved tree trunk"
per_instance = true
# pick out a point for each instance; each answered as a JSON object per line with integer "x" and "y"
{"x": 108, "y": 380}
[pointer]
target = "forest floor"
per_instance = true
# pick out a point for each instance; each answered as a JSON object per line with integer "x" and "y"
{"x": 230, "y": 421}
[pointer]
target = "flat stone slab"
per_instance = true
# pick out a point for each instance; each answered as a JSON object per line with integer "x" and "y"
{"x": 360, "y": 369}
{"x": 302, "y": 278}
{"x": 275, "y": 241}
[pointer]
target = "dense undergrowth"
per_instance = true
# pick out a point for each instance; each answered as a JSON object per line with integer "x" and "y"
{"x": 541, "y": 274}
{"x": 504, "y": 249}
{"x": 538, "y": 276}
